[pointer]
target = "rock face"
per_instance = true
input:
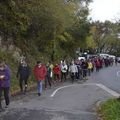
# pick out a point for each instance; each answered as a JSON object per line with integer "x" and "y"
{"x": 14, "y": 51}
{"x": 16, "y": 55}
{"x": 11, "y": 49}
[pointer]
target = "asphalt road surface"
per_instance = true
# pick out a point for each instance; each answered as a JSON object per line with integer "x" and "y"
{"x": 65, "y": 101}
{"x": 110, "y": 77}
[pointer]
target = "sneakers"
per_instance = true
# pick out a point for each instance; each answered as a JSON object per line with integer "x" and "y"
{"x": 39, "y": 94}
{"x": 6, "y": 106}
{"x": 3, "y": 109}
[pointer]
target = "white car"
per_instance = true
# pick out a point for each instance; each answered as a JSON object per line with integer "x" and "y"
{"x": 81, "y": 58}
{"x": 104, "y": 55}
{"x": 118, "y": 59}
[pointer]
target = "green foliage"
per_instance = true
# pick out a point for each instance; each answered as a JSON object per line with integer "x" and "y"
{"x": 105, "y": 37}
{"x": 40, "y": 25}
{"x": 43, "y": 29}
{"x": 90, "y": 44}
{"x": 12, "y": 21}
{"x": 110, "y": 110}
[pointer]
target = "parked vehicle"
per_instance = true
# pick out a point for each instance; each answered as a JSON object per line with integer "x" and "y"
{"x": 107, "y": 55}
{"x": 104, "y": 55}
{"x": 81, "y": 58}
{"x": 118, "y": 59}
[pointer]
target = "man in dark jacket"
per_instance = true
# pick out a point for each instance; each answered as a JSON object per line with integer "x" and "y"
{"x": 23, "y": 74}
{"x": 84, "y": 66}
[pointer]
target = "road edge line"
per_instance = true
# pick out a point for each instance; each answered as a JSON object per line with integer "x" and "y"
{"x": 108, "y": 90}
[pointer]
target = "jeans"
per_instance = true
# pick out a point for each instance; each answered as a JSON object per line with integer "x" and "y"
{"x": 6, "y": 95}
{"x": 39, "y": 86}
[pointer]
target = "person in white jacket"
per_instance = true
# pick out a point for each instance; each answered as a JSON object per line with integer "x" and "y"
{"x": 73, "y": 70}
{"x": 63, "y": 71}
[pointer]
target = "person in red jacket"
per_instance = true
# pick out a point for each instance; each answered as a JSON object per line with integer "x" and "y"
{"x": 40, "y": 74}
{"x": 56, "y": 71}
{"x": 97, "y": 65}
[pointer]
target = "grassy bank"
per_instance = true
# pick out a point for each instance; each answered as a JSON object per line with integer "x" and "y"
{"x": 110, "y": 110}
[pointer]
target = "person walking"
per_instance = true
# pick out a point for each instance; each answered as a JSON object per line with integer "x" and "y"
{"x": 90, "y": 67}
{"x": 78, "y": 74}
{"x": 48, "y": 79}
{"x": 23, "y": 75}
{"x": 40, "y": 74}
{"x": 4, "y": 83}
{"x": 116, "y": 60}
{"x": 51, "y": 67}
{"x": 84, "y": 66}
{"x": 63, "y": 71}
{"x": 56, "y": 72}
{"x": 97, "y": 65}
{"x": 73, "y": 70}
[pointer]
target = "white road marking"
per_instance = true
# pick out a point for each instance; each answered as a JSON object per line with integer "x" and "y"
{"x": 53, "y": 94}
{"x": 118, "y": 73}
{"x": 110, "y": 91}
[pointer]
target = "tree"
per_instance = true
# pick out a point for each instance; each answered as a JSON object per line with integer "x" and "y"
{"x": 104, "y": 35}
{"x": 12, "y": 21}
{"x": 44, "y": 25}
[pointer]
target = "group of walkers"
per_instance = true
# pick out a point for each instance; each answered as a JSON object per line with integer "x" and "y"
{"x": 50, "y": 74}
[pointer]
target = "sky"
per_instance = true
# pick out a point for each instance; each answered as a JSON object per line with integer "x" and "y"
{"x": 105, "y": 10}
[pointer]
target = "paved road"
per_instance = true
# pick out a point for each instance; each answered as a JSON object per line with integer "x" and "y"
{"x": 108, "y": 77}
{"x": 76, "y": 102}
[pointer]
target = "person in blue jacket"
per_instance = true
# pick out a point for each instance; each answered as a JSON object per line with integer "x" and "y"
{"x": 23, "y": 75}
